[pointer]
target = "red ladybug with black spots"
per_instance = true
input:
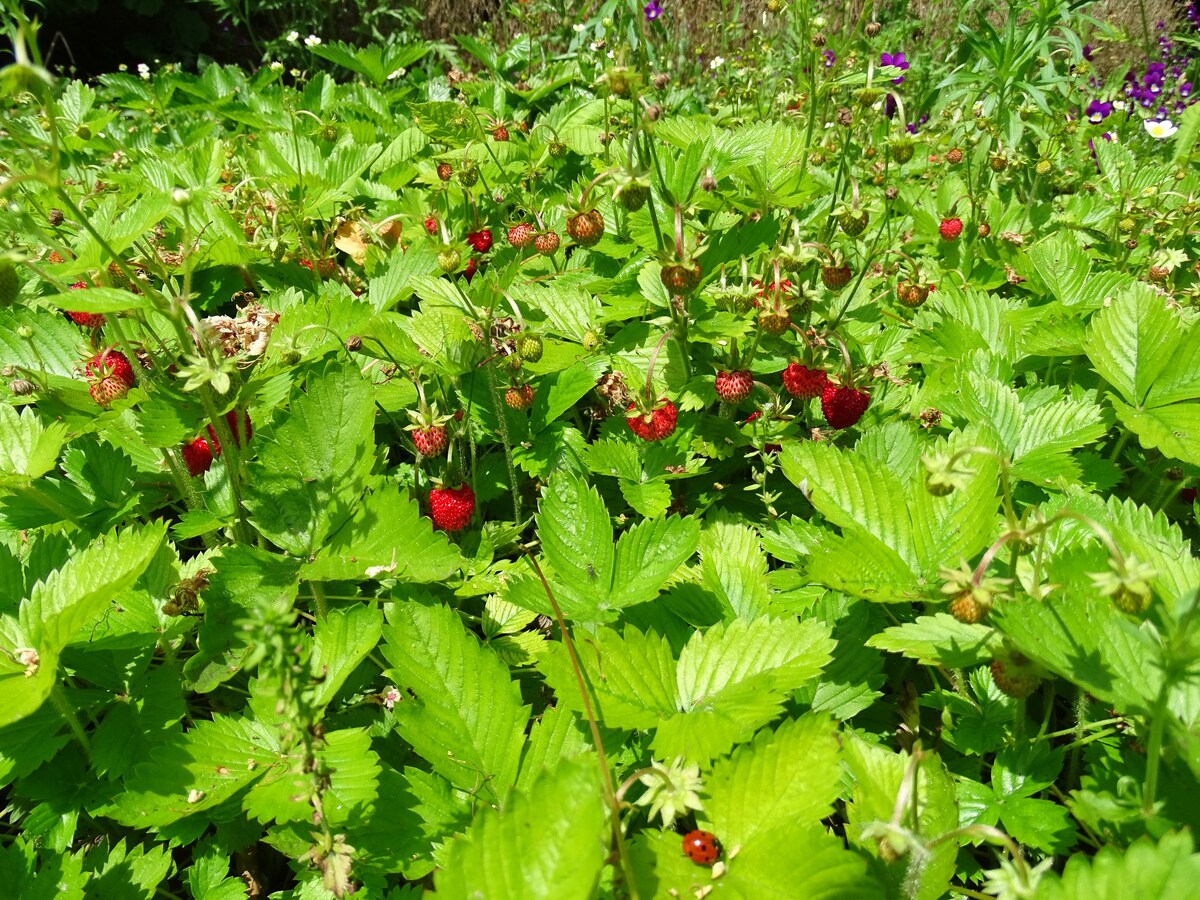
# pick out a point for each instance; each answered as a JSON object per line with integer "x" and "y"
{"x": 701, "y": 847}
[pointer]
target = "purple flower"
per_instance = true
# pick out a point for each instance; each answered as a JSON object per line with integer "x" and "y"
{"x": 894, "y": 59}
{"x": 1098, "y": 111}
{"x": 830, "y": 58}
{"x": 652, "y": 10}
{"x": 889, "y": 106}
{"x": 1088, "y": 49}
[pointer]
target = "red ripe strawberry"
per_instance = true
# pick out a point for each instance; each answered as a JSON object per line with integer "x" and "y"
{"x": 546, "y": 243}
{"x": 239, "y": 436}
{"x": 306, "y": 263}
{"x": 843, "y": 406}
{"x": 480, "y": 241}
{"x": 431, "y": 225}
{"x": 86, "y": 319}
{"x": 110, "y": 363}
{"x": 197, "y": 455}
{"x": 654, "y": 425}
{"x": 55, "y": 257}
{"x": 954, "y": 156}
{"x": 430, "y": 441}
{"x": 106, "y": 389}
{"x": 521, "y": 235}
{"x": 469, "y": 272}
{"x": 780, "y": 289}
{"x": 586, "y": 228}
{"x": 801, "y": 381}
{"x": 519, "y": 396}
{"x": 950, "y": 228}
{"x": 835, "y": 277}
{"x": 734, "y": 387}
{"x": 445, "y": 171}
{"x": 500, "y": 134}
{"x": 451, "y": 508}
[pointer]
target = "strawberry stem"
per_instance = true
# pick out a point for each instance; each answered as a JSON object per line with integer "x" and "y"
{"x": 649, "y": 389}
{"x": 610, "y": 794}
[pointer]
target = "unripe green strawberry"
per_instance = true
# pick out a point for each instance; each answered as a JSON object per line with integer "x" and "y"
{"x": 868, "y": 97}
{"x": 633, "y": 195}
{"x": 1044, "y": 167}
{"x": 1126, "y": 225}
{"x": 468, "y": 174}
{"x": 558, "y": 149}
{"x": 328, "y": 133}
{"x": 1131, "y": 602}
{"x": 449, "y": 259}
{"x": 10, "y": 283}
{"x": 852, "y": 224}
{"x": 902, "y": 149}
{"x": 1013, "y": 680}
{"x": 529, "y": 346}
{"x": 592, "y": 340}
{"x": 774, "y": 320}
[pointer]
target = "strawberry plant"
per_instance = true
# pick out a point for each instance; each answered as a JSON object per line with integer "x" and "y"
{"x": 555, "y": 474}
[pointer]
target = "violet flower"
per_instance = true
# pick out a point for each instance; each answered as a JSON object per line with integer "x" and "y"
{"x": 894, "y": 59}
{"x": 1098, "y": 111}
{"x": 652, "y": 10}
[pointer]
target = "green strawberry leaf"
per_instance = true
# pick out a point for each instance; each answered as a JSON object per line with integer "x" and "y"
{"x": 459, "y": 707}
{"x": 57, "y": 608}
{"x": 788, "y": 775}
{"x": 311, "y": 471}
{"x": 939, "y": 639}
{"x": 549, "y": 842}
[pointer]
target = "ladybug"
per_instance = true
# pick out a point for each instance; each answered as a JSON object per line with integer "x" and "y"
{"x": 701, "y": 847}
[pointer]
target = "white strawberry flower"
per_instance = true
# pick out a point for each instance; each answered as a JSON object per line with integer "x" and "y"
{"x": 1160, "y": 128}
{"x": 311, "y": 41}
